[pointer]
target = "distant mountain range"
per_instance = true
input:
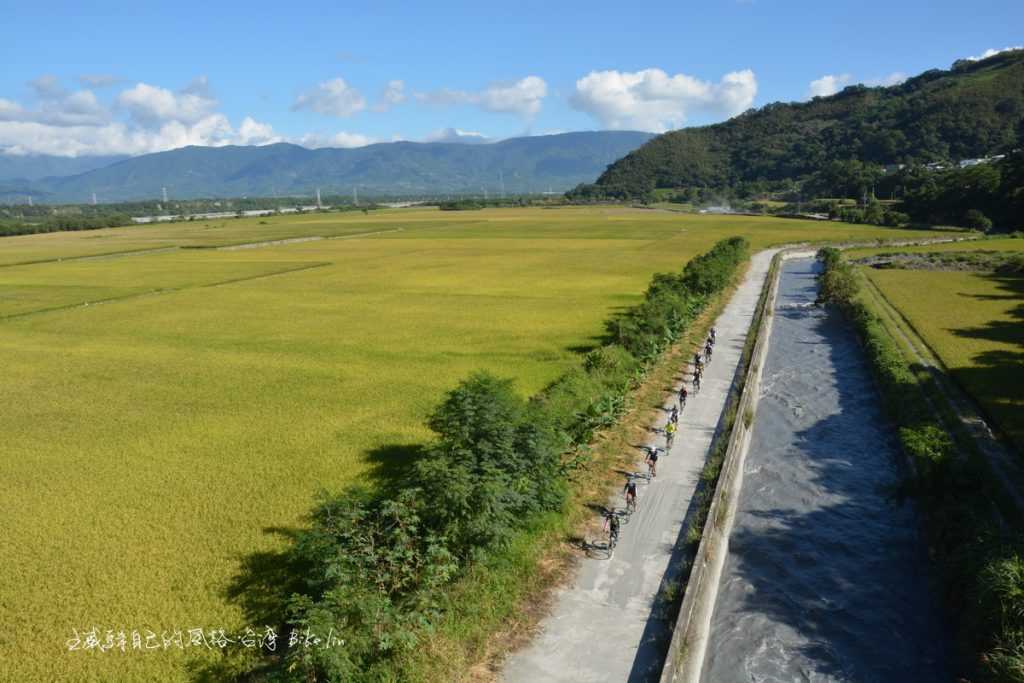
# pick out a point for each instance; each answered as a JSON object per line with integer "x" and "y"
{"x": 527, "y": 164}
{"x": 15, "y": 167}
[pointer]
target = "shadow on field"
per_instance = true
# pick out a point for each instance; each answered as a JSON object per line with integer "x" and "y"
{"x": 593, "y": 343}
{"x": 996, "y": 377}
{"x": 265, "y": 580}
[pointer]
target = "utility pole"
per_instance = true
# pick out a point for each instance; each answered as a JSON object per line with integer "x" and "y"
{"x": 318, "y": 204}
{"x": 355, "y": 194}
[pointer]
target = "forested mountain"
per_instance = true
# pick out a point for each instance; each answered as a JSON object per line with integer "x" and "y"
{"x": 527, "y": 164}
{"x": 36, "y": 166}
{"x": 973, "y": 110}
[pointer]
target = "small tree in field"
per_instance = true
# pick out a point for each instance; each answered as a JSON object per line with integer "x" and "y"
{"x": 496, "y": 460}
{"x": 976, "y": 220}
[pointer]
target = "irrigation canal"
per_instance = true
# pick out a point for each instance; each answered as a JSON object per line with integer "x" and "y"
{"x": 826, "y": 577}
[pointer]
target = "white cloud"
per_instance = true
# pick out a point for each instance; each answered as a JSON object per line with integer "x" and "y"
{"x": 652, "y": 100}
{"x": 147, "y": 118}
{"x": 523, "y": 98}
{"x": 152, "y": 105}
{"x": 456, "y": 135}
{"x": 333, "y": 98}
{"x": 29, "y": 137}
{"x": 340, "y": 139}
{"x": 993, "y": 52}
{"x": 393, "y": 94}
{"x": 56, "y": 106}
{"x": 10, "y": 111}
{"x": 252, "y": 132}
{"x": 828, "y": 85}
{"x": 895, "y": 78}
{"x": 98, "y": 80}
{"x": 79, "y": 108}
{"x": 47, "y": 86}
{"x": 199, "y": 86}
{"x": 152, "y": 119}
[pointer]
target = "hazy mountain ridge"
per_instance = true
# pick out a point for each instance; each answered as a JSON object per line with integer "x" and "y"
{"x": 16, "y": 167}
{"x": 527, "y": 164}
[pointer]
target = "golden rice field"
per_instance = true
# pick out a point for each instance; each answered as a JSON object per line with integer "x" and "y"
{"x": 974, "y": 322}
{"x": 184, "y": 419}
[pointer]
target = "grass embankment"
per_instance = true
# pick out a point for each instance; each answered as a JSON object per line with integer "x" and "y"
{"x": 157, "y": 443}
{"x": 974, "y": 545}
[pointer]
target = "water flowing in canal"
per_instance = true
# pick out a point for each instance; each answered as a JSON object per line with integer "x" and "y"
{"x": 826, "y": 577}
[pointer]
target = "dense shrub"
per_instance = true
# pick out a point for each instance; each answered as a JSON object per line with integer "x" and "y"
{"x": 672, "y": 301}
{"x": 376, "y": 572}
{"x": 838, "y": 283}
{"x": 496, "y": 460}
{"x": 711, "y": 272}
{"x": 976, "y": 220}
{"x": 61, "y": 222}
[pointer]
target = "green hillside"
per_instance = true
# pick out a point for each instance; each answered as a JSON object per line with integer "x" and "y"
{"x": 973, "y": 110}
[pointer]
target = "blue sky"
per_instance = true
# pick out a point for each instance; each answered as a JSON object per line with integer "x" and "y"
{"x": 130, "y": 78}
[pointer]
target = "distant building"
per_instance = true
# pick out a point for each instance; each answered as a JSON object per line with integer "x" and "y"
{"x": 967, "y": 163}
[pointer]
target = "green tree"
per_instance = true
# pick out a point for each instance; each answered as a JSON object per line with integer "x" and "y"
{"x": 976, "y": 220}
{"x": 495, "y": 461}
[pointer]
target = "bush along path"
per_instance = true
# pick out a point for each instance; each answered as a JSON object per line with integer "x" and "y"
{"x": 384, "y": 570}
{"x": 974, "y": 542}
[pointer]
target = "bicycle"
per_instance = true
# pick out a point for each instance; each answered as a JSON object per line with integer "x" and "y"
{"x": 629, "y": 492}
{"x": 611, "y": 524}
{"x": 696, "y": 384}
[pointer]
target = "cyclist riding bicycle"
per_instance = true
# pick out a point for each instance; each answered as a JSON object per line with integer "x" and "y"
{"x": 683, "y": 393}
{"x": 629, "y": 491}
{"x": 611, "y": 525}
{"x": 696, "y": 382}
{"x": 697, "y": 362}
{"x": 670, "y": 434}
{"x": 673, "y": 417}
{"x": 707, "y": 352}
{"x": 652, "y": 461}
{"x": 713, "y": 334}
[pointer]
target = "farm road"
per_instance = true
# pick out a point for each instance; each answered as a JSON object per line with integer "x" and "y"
{"x": 607, "y": 624}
